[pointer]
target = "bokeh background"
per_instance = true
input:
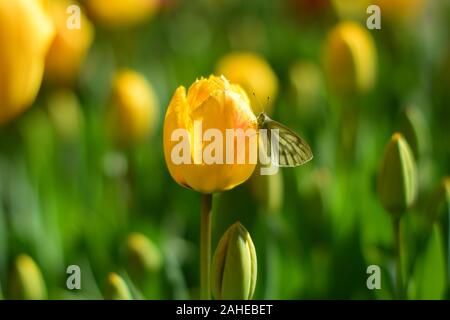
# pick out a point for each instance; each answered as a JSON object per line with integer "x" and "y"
{"x": 82, "y": 174}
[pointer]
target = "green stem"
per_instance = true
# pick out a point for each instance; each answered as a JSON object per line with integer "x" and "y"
{"x": 205, "y": 247}
{"x": 397, "y": 235}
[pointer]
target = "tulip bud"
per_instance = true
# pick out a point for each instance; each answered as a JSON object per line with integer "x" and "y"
{"x": 27, "y": 282}
{"x": 116, "y": 288}
{"x": 134, "y": 108}
{"x": 217, "y": 106}
{"x": 142, "y": 254}
{"x": 413, "y": 128}
{"x": 350, "y": 59}
{"x": 121, "y": 13}
{"x": 440, "y": 200}
{"x": 69, "y": 46}
{"x": 234, "y": 265}
{"x": 254, "y": 74}
{"x": 397, "y": 179}
{"x": 25, "y": 36}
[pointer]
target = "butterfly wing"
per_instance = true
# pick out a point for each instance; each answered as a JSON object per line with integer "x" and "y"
{"x": 293, "y": 150}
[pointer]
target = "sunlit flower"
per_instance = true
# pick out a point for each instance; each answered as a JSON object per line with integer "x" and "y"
{"x": 70, "y": 45}
{"x": 350, "y": 59}
{"x": 254, "y": 74}
{"x": 26, "y": 32}
{"x": 217, "y": 105}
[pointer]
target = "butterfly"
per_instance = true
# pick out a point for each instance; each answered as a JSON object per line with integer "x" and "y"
{"x": 292, "y": 150}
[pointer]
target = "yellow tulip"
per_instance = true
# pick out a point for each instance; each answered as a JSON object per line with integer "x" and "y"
{"x": 26, "y": 32}
{"x": 27, "y": 282}
{"x": 220, "y": 105}
{"x": 120, "y": 13}
{"x": 350, "y": 59}
{"x": 69, "y": 46}
{"x": 254, "y": 74}
{"x": 134, "y": 108}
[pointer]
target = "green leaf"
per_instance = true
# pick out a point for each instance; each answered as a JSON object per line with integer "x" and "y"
{"x": 428, "y": 278}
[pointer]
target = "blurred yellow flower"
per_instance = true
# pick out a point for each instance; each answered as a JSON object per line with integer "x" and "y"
{"x": 254, "y": 74}
{"x": 116, "y": 288}
{"x": 142, "y": 254}
{"x": 350, "y": 59}
{"x": 119, "y": 13}
{"x": 134, "y": 109}
{"x": 26, "y": 32}
{"x": 27, "y": 282}
{"x": 219, "y": 105}
{"x": 69, "y": 46}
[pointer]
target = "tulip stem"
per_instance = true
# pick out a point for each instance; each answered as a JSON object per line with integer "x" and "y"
{"x": 397, "y": 235}
{"x": 205, "y": 247}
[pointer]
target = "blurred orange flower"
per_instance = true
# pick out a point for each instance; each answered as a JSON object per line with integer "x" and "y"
{"x": 70, "y": 45}
{"x": 26, "y": 32}
{"x": 134, "y": 109}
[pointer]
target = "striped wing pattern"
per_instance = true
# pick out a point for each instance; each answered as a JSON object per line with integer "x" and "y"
{"x": 293, "y": 150}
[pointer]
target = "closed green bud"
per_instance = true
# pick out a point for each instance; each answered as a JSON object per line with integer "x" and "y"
{"x": 414, "y": 129}
{"x": 116, "y": 288}
{"x": 27, "y": 282}
{"x": 397, "y": 179}
{"x": 234, "y": 265}
{"x": 142, "y": 254}
{"x": 440, "y": 200}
